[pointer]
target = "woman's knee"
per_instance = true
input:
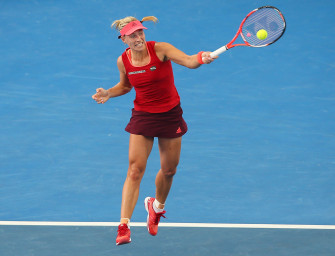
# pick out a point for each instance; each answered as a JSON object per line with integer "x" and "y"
{"x": 135, "y": 172}
{"x": 169, "y": 171}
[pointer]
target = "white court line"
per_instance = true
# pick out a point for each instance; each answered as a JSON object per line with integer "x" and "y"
{"x": 182, "y": 225}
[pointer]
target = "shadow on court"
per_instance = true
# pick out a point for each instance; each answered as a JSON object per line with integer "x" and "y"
{"x": 100, "y": 241}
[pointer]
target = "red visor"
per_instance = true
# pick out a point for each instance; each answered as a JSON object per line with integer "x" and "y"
{"x": 131, "y": 27}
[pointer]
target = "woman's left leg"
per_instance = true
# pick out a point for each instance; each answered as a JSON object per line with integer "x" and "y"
{"x": 169, "y": 150}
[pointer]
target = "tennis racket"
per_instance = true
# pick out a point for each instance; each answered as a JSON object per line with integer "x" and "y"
{"x": 266, "y": 18}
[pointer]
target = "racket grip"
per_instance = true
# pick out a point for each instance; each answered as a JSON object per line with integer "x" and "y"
{"x": 218, "y": 51}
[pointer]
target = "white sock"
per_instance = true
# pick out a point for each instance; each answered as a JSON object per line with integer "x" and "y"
{"x": 155, "y": 206}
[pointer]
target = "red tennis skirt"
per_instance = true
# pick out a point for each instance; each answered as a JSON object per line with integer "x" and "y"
{"x": 168, "y": 124}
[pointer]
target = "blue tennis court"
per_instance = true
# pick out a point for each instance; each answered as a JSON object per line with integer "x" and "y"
{"x": 260, "y": 147}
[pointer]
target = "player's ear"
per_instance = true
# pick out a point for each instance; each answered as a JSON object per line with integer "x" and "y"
{"x": 123, "y": 39}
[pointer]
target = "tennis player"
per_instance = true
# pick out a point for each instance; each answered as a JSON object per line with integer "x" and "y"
{"x": 146, "y": 66}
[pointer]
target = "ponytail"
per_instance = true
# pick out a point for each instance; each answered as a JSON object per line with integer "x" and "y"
{"x": 150, "y": 18}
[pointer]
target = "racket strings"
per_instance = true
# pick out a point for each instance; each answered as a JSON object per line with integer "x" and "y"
{"x": 267, "y": 18}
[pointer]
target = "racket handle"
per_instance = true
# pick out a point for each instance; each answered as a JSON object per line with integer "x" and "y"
{"x": 219, "y": 51}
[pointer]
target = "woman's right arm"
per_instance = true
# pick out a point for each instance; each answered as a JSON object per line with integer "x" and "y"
{"x": 119, "y": 89}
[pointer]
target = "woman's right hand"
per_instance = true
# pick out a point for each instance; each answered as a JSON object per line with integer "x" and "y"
{"x": 101, "y": 96}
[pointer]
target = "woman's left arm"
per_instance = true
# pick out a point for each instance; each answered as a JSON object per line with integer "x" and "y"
{"x": 166, "y": 51}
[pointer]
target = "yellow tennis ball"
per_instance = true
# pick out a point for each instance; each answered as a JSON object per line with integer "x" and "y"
{"x": 262, "y": 34}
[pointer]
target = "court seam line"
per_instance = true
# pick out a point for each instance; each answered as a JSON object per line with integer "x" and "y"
{"x": 182, "y": 225}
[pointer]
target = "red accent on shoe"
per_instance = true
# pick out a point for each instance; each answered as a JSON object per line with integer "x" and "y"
{"x": 123, "y": 235}
{"x": 153, "y": 217}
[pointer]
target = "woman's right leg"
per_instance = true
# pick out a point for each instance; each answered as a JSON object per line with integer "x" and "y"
{"x": 139, "y": 151}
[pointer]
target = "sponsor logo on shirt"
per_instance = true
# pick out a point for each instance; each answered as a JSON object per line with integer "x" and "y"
{"x": 136, "y": 72}
{"x": 153, "y": 68}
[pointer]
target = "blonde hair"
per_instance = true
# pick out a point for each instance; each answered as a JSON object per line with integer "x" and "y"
{"x": 119, "y": 24}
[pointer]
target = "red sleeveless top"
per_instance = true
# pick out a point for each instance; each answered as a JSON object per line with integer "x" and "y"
{"x": 153, "y": 83}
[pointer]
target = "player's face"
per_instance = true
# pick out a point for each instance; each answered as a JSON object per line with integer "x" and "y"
{"x": 136, "y": 40}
